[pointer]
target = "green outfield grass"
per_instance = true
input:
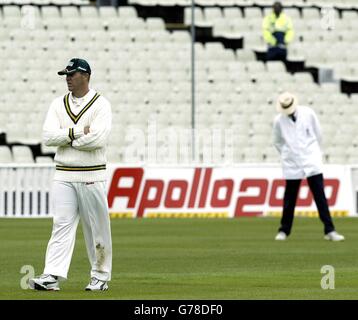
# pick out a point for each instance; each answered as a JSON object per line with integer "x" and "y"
{"x": 192, "y": 259}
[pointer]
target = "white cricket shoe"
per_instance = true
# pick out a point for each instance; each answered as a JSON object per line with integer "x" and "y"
{"x": 45, "y": 282}
{"x": 334, "y": 236}
{"x": 281, "y": 236}
{"x": 97, "y": 285}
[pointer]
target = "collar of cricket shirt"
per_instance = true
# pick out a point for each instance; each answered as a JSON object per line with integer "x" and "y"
{"x": 78, "y": 102}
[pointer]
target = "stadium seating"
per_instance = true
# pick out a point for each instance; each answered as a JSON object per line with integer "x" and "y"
{"x": 22, "y": 154}
{"x": 145, "y": 71}
{"x": 43, "y": 159}
{"x": 5, "y": 154}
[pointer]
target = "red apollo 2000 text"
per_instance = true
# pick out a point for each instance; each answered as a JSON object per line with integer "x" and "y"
{"x": 203, "y": 192}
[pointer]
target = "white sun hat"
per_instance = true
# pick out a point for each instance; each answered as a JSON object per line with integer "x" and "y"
{"x": 286, "y": 103}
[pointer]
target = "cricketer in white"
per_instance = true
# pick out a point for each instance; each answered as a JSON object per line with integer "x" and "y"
{"x": 297, "y": 137}
{"x": 299, "y": 143}
{"x": 79, "y": 127}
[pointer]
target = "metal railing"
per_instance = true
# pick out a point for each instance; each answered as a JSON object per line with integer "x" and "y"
{"x": 25, "y": 190}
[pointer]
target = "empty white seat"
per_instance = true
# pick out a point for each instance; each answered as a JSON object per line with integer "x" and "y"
{"x": 224, "y": 3}
{"x": 69, "y": 12}
{"x": 88, "y": 12}
{"x": 212, "y": 13}
{"x": 50, "y": 12}
{"x": 60, "y": 2}
{"x": 54, "y": 23}
{"x": 352, "y": 159}
{"x": 155, "y": 24}
{"x": 276, "y": 66}
{"x": 93, "y": 24}
{"x": 108, "y": 12}
{"x": 260, "y": 140}
{"x": 330, "y": 87}
{"x": 15, "y": 130}
{"x": 180, "y": 37}
{"x": 232, "y": 13}
{"x": 221, "y": 28}
{"x": 293, "y": 13}
{"x": 114, "y": 155}
{"x": 22, "y": 154}
{"x": 127, "y": 12}
{"x": 11, "y": 11}
{"x": 303, "y": 77}
{"x": 198, "y": 15}
{"x": 44, "y": 159}
{"x": 336, "y": 158}
{"x": 270, "y": 154}
{"x": 12, "y": 22}
{"x": 252, "y": 155}
{"x": 5, "y": 154}
{"x": 349, "y": 15}
{"x": 255, "y": 66}
{"x": 245, "y": 55}
{"x": 310, "y": 13}
{"x": 19, "y": 35}
{"x": 39, "y": 36}
{"x": 251, "y": 12}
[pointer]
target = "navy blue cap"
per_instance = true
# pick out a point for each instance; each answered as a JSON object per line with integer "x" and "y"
{"x": 76, "y": 64}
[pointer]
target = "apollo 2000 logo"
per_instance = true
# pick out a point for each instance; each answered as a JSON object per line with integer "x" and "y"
{"x": 203, "y": 192}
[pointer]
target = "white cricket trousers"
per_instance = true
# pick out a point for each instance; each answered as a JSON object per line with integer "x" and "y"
{"x": 70, "y": 202}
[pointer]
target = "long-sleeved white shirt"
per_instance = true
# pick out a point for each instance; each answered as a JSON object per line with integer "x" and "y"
{"x": 79, "y": 157}
{"x": 299, "y": 143}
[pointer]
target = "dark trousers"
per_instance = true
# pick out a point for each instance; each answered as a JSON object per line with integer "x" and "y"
{"x": 316, "y": 186}
{"x": 276, "y": 53}
{"x": 107, "y": 3}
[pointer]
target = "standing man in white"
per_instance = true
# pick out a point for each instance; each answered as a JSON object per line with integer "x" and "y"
{"x": 78, "y": 124}
{"x": 297, "y": 137}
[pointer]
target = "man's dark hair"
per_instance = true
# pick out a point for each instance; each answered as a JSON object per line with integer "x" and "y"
{"x": 277, "y": 8}
{"x": 86, "y": 74}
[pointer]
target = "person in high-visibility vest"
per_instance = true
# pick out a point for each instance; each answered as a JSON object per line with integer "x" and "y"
{"x": 277, "y": 32}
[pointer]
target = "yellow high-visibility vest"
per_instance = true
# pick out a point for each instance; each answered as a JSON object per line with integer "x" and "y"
{"x": 272, "y": 24}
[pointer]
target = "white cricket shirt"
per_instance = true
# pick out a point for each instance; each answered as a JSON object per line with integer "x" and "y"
{"x": 298, "y": 143}
{"x": 79, "y": 157}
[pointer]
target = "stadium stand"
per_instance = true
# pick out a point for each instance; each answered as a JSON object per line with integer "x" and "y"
{"x": 144, "y": 69}
{"x": 22, "y": 154}
{"x": 5, "y": 154}
{"x": 43, "y": 159}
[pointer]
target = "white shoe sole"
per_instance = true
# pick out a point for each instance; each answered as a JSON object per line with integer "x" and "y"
{"x": 104, "y": 289}
{"x": 334, "y": 240}
{"x": 40, "y": 287}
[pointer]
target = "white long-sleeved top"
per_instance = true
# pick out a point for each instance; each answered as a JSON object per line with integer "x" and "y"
{"x": 79, "y": 157}
{"x": 299, "y": 143}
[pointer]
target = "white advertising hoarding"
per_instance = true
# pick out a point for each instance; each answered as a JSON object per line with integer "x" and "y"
{"x": 245, "y": 190}
{"x": 218, "y": 192}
